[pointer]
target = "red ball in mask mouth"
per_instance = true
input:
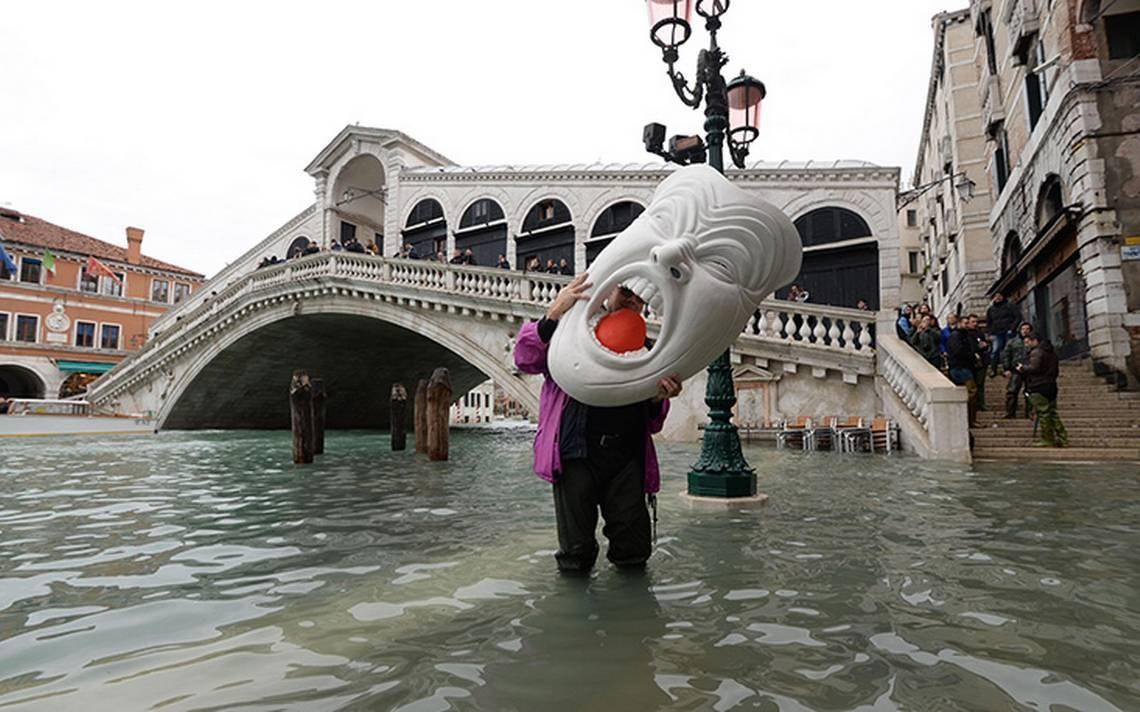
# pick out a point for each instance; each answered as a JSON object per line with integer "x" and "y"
{"x": 621, "y": 331}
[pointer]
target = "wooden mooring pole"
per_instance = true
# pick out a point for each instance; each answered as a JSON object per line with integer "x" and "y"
{"x": 419, "y": 413}
{"x": 319, "y": 396}
{"x": 438, "y": 404}
{"x": 399, "y": 416}
{"x": 301, "y": 411}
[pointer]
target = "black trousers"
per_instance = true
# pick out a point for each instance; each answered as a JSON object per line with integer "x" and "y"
{"x": 583, "y": 487}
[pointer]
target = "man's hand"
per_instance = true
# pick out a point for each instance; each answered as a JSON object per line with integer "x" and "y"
{"x": 668, "y": 387}
{"x": 568, "y": 296}
{"x": 1007, "y": 374}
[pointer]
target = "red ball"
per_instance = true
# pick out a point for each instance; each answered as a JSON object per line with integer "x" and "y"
{"x": 622, "y": 331}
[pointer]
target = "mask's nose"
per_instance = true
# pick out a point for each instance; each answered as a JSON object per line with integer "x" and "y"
{"x": 673, "y": 259}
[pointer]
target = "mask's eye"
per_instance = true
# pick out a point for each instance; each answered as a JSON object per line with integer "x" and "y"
{"x": 727, "y": 260}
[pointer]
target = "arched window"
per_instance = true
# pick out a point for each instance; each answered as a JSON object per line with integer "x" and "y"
{"x": 359, "y": 192}
{"x": 1050, "y": 201}
{"x": 612, "y": 221}
{"x": 426, "y": 228}
{"x": 1010, "y": 252}
{"x": 296, "y": 247}
{"x": 825, "y": 225}
{"x": 483, "y": 230}
{"x": 548, "y": 235}
{"x": 841, "y": 258}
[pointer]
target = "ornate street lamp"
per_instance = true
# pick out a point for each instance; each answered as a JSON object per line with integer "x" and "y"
{"x": 732, "y": 109}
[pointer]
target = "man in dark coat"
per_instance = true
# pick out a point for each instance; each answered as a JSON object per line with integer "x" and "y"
{"x": 962, "y": 360}
{"x": 928, "y": 341}
{"x": 1014, "y": 354}
{"x": 1040, "y": 370}
{"x": 1002, "y": 318}
{"x": 982, "y": 346}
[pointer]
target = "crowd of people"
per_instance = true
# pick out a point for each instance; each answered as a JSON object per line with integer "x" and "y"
{"x": 535, "y": 264}
{"x": 968, "y": 354}
{"x": 409, "y": 252}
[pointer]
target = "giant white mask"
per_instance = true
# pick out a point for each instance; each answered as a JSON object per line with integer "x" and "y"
{"x": 703, "y": 255}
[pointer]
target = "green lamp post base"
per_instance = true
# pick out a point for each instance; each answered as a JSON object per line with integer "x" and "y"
{"x": 721, "y": 470}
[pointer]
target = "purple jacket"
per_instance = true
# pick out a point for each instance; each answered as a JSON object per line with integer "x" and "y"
{"x": 530, "y": 357}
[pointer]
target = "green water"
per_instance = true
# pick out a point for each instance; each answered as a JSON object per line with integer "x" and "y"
{"x": 204, "y": 571}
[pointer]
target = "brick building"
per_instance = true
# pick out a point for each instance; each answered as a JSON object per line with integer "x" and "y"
{"x": 60, "y": 329}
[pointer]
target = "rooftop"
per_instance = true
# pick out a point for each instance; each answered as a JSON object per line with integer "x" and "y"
{"x": 27, "y": 229}
{"x": 633, "y": 167}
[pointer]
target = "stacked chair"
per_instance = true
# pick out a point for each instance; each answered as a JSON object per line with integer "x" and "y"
{"x": 850, "y": 434}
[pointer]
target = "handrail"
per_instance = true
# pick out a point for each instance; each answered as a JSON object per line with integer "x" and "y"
{"x": 929, "y": 408}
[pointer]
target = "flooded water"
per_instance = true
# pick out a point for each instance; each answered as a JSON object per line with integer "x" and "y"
{"x": 200, "y": 571}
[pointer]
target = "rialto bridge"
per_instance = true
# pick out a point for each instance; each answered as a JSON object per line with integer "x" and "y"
{"x": 223, "y": 357}
{"x": 363, "y": 322}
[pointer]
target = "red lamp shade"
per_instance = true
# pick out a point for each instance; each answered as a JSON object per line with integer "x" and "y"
{"x": 745, "y": 95}
{"x": 669, "y": 22}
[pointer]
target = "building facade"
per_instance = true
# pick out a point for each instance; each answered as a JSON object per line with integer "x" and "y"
{"x": 957, "y": 266}
{"x": 60, "y": 328}
{"x": 1058, "y": 82}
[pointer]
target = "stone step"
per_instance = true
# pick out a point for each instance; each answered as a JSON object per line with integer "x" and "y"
{"x": 1075, "y": 430}
{"x": 1027, "y": 440}
{"x": 1114, "y": 425}
{"x": 1070, "y": 454}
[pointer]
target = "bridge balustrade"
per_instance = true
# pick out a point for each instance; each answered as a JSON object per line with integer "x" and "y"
{"x": 820, "y": 336}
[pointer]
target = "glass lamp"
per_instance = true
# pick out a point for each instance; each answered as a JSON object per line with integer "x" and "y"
{"x": 670, "y": 22}
{"x": 745, "y": 95}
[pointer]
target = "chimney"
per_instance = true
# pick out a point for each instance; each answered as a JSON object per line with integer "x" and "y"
{"x": 134, "y": 245}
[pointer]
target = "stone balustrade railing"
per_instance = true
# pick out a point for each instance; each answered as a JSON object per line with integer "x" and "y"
{"x": 930, "y": 410}
{"x": 818, "y": 329}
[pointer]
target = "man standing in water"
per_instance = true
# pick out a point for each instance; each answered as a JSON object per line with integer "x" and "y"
{"x": 595, "y": 457}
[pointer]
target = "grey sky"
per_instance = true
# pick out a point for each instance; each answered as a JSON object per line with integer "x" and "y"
{"x": 194, "y": 121}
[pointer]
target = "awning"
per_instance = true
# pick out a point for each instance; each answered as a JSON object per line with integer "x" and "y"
{"x": 84, "y": 366}
{"x": 1069, "y": 216}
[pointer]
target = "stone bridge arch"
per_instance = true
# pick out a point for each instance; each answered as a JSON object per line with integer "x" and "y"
{"x": 359, "y": 346}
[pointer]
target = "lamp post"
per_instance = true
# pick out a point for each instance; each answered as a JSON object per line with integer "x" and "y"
{"x": 732, "y": 112}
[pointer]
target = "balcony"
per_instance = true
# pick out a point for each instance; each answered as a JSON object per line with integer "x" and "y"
{"x": 1024, "y": 23}
{"x": 993, "y": 112}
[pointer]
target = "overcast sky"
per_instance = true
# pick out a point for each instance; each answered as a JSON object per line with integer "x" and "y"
{"x": 195, "y": 121}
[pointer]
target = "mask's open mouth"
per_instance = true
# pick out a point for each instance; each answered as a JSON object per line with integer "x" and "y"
{"x": 632, "y": 325}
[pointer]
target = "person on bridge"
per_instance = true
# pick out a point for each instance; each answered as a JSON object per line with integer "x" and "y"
{"x": 1040, "y": 370}
{"x": 503, "y": 263}
{"x": 594, "y": 457}
{"x": 1013, "y": 354}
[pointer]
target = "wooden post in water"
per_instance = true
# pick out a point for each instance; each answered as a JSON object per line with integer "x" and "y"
{"x": 399, "y": 416}
{"x": 301, "y": 410}
{"x": 438, "y": 404}
{"x": 319, "y": 396}
{"x": 419, "y": 416}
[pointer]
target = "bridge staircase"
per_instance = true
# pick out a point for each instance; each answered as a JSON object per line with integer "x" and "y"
{"x": 1103, "y": 423}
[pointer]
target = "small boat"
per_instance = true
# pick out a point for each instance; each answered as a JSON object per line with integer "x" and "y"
{"x": 43, "y": 416}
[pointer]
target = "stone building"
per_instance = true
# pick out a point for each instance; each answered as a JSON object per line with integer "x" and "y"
{"x": 1058, "y": 83}
{"x": 957, "y": 258}
{"x": 61, "y": 325}
{"x": 382, "y": 186}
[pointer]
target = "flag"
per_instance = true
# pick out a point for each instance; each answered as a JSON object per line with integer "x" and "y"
{"x": 49, "y": 261}
{"x": 9, "y": 267}
{"x": 96, "y": 267}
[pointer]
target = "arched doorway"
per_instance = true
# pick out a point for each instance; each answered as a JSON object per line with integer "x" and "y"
{"x": 841, "y": 258}
{"x": 547, "y": 234}
{"x": 20, "y": 382}
{"x": 359, "y": 197}
{"x": 609, "y": 224}
{"x": 426, "y": 229}
{"x": 483, "y": 230}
